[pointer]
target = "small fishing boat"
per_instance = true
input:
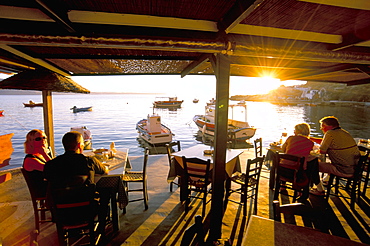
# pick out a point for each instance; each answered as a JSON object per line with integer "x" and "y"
{"x": 242, "y": 102}
{"x": 153, "y": 131}
{"x": 167, "y": 102}
{"x": 1, "y": 113}
{"x": 76, "y": 110}
{"x": 211, "y": 102}
{"x": 237, "y": 130}
{"x": 86, "y": 134}
{"x": 195, "y": 100}
{"x": 33, "y": 104}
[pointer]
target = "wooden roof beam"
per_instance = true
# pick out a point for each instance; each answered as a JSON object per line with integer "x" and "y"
{"x": 358, "y": 4}
{"x": 335, "y": 68}
{"x": 240, "y": 10}
{"x": 54, "y": 13}
{"x": 195, "y": 64}
{"x": 352, "y": 39}
{"x": 358, "y": 82}
{"x": 34, "y": 60}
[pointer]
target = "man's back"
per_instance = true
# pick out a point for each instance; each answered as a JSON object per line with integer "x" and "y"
{"x": 341, "y": 148}
{"x": 71, "y": 169}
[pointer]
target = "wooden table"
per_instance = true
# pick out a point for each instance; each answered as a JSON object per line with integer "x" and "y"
{"x": 176, "y": 167}
{"x": 110, "y": 185}
{"x": 266, "y": 232}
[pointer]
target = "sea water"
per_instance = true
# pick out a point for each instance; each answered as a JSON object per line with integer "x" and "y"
{"x": 114, "y": 118}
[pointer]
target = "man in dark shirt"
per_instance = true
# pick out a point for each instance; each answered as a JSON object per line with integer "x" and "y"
{"x": 74, "y": 169}
{"x": 65, "y": 169}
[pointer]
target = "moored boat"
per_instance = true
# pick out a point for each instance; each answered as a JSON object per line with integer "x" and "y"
{"x": 167, "y": 102}
{"x": 76, "y": 110}
{"x": 195, "y": 100}
{"x": 211, "y": 102}
{"x": 33, "y": 104}
{"x": 153, "y": 131}
{"x": 237, "y": 130}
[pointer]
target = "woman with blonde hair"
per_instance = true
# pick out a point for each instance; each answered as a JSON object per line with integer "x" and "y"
{"x": 37, "y": 151}
{"x": 298, "y": 144}
{"x": 37, "y": 154}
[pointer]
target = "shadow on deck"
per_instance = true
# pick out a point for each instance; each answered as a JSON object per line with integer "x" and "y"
{"x": 165, "y": 222}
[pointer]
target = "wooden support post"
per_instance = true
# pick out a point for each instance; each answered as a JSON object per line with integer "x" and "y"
{"x": 48, "y": 118}
{"x": 218, "y": 182}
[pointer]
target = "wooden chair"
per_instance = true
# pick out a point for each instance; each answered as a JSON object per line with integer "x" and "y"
{"x": 258, "y": 147}
{"x": 138, "y": 177}
{"x": 310, "y": 217}
{"x": 74, "y": 210}
{"x": 352, "y": 183}
{"x": 291, "y": 179}
{"x": 249, "y": 183}
{"x": 197, "y": 175}
{"x": 365, "y": 172}
{"x": 37, "y": 188}
{"x": 169, "y": 148}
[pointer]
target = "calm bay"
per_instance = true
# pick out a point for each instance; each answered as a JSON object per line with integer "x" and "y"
{"x": 114, "y": 118}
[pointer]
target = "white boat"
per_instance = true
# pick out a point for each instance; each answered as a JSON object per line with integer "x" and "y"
{"x": 86, "y": 134}
{"x": 237, "y": 130}
{"x": 76, "y": 110}
{"x": 153, "y": 131}
{"x": 167, "y": 102}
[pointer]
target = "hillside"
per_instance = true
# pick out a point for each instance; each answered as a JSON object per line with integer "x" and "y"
{"x": 330, "y": 91}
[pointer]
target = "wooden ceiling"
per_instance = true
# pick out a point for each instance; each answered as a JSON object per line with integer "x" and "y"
{"x": 314, "y": 40}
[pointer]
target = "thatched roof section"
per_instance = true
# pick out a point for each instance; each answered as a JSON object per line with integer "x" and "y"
{"x": 41, "y": 80}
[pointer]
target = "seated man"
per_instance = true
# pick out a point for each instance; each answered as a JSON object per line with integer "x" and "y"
{"x": 63, "y": 170}
{"x": 341, "y": 149}
{"x": 74, "y": 169}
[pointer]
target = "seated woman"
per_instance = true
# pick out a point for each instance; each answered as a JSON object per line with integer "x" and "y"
{"x": 37, "y": 154}
{"x": 298, "y": 145}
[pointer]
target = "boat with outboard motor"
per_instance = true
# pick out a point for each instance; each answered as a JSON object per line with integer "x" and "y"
{"x": 153, "y": 131}
{"x": 237, "y": 130}
{"x": 76, "y": 110}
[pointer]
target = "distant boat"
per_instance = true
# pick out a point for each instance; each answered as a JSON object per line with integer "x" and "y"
{"x": 211, "y": 102}
{"x": 76, "y": 110}
{"x": 1, "y": 113}
{"x": 33, "y": 104}
{"x": 195, "y": 100}
{"x": 237, "y": 130}
{"x": 167, "y": 102}
{"x": 242, "y": 102}
{"x": 153, "y": 131}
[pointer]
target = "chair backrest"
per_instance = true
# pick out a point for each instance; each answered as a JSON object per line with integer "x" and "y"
{"x": 298, "y": 177}
{"x": 254, "y": 167}
{"x": 361, "y": 162}
{"x": 291, "y": 209}
{"x": 169, "y": 148}
{"x": 197, "y": 169}
{"x": 145, "y": 162}
{"x": 299, "y": 160}
{"x": 74, "y": 205}
{"x": 258, "y": 147}
{"x": 36, "y": 183}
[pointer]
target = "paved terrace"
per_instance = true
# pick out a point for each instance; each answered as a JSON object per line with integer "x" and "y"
{"x": 165, "y": 222}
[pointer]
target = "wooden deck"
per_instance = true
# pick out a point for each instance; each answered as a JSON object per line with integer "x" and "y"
{"x": 165, "y": 222}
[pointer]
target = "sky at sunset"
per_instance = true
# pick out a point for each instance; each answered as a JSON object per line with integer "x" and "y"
{"x": 175, "y": 85}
